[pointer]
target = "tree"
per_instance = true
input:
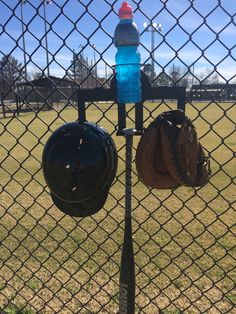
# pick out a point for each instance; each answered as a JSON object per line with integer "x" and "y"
{"x": 11, "y": 72}
{"x": 175, "y": 76}
{"x": 162, "y": 79}
{"x": 11, "y": 69}
{"x": 209, "y": 77}
{"x": 147, "y": 69}
{"x": 178, "y": 77}
{"x": 79, "y": 68}
{"x": 36, "y": 74}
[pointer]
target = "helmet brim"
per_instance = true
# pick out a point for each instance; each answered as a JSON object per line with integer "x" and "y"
{"x": 83, "y": 209}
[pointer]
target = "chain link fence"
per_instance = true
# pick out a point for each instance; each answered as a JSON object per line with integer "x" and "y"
{"x": 184, "y": 239}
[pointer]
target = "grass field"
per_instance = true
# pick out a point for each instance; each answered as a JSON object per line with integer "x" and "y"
{"x": 184, "y": 240}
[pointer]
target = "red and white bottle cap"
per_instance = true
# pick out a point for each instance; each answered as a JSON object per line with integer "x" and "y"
{"x": 125, "y": 12}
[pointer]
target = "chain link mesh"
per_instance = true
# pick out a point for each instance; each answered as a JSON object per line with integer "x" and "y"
{"x": 184, "y": 239}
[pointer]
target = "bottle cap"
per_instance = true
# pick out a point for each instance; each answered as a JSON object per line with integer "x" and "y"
{"x": 125, "y": 12}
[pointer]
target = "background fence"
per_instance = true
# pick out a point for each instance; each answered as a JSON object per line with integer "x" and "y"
{"x": 184, "y": 239}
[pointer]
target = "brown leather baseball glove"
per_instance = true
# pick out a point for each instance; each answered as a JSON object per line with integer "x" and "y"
{"x": 169, "y": 153}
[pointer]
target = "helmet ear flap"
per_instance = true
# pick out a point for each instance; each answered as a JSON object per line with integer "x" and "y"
{"x": 79, "y": 164}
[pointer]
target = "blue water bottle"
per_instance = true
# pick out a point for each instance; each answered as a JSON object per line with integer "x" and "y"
{"x": 127, "y": 39}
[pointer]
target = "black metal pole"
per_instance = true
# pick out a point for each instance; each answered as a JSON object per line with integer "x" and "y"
{"x": 23, "y": 36}
{"x": 3, "y": 106}
{"x": 23, "y": 2}
{"x": 46, "y": 36}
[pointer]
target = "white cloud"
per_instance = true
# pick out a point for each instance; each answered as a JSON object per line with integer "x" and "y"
{"x": 63, "y": 57}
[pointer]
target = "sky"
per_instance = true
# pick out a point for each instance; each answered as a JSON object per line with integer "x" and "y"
{"x": 194, "y": 32}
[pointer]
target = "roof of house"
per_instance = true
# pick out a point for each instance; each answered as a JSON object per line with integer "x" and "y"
{"x": 212, "y": 87}
{"x": 52, "y": 81}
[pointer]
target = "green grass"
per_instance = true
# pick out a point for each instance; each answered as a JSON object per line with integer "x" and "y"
{"x": 184, "y": 241}
{"x": 13, "y": 309}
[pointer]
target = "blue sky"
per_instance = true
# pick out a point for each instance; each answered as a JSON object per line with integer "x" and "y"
{"x": 72, "y": 27}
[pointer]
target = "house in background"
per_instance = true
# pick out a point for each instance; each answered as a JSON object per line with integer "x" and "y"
{"x": 214, "y": 92}
{"x": 55, "y": 89}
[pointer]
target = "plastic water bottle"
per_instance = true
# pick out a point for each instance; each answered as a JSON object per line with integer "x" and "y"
{"x": 127, "y": 58}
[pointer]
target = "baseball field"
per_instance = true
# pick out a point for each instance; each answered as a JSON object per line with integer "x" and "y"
{"x": 184, "y": 239}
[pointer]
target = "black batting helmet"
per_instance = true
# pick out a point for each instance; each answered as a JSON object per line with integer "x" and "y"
{"x": 79, "y": 164}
